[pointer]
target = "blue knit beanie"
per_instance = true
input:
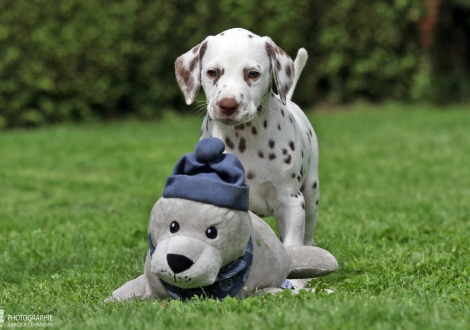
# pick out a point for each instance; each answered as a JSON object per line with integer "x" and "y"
{"x": 209, "y": 176}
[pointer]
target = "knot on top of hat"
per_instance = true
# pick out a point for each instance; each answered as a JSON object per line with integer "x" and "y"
{"x": 209, "y": 150}
{"x": 209, "y": 176}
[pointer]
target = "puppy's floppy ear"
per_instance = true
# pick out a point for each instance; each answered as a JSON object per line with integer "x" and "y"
{"x": 188, "y": 71}
{"x": 282, "y": 66}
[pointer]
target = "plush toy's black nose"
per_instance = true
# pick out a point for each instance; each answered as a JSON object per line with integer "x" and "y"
{"x": 178, "y": 263}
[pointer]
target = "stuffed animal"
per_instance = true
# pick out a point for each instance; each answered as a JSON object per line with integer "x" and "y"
{"x": 204, "y": 242}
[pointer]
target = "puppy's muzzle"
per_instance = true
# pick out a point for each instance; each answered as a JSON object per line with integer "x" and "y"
{"x": 178, "y": 263}
{"x": 228, "y": 106}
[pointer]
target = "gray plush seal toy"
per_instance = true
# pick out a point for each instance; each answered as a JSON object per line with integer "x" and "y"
{"x": 204, "y": 242}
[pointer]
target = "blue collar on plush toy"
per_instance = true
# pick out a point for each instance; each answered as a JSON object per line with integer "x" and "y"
{"x": 229, "y": 281}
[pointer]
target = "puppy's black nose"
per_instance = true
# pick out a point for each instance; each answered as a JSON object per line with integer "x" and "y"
{"x": 178, "y": 263}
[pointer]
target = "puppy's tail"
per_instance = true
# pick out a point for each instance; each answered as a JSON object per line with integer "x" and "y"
{"x": 299, "y": 64}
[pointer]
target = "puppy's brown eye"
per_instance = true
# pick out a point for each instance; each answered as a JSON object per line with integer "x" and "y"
{"x": 253, "y": 74}
{"x": 211, "y": 232}
{"x": 212, "y": 73}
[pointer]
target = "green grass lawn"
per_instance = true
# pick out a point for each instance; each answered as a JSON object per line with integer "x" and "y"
{"x": 394, "y": 210}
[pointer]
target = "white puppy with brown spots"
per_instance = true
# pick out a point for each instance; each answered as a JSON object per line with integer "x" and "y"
{"x": 269, "y": 133}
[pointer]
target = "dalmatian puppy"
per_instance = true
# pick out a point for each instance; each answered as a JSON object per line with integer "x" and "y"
{"x": 269, "y": 133}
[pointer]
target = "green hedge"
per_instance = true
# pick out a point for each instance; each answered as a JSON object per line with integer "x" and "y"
{"x": 65, "y": 60}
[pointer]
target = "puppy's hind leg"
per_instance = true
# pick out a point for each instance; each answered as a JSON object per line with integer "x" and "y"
{"x": 311, "y": 192}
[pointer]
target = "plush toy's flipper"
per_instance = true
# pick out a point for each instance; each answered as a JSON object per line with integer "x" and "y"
{"x": 272, "y": 290}
{"x": 262, "y": 292}
{"x": 137, "y": 288}
{"x": 300, "y": 283}
{"x": 310, "y": 261}
{"x": 277, "y": 290}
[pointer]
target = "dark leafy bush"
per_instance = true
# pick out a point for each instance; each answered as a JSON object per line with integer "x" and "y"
{"x": 65, "y": 60}
{"x": 450, "y": 54}
{"x": 370, "y": 49}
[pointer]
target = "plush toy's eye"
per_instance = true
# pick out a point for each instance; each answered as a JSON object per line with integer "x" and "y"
{"x": 253, "y": 74}
{"x": 174, "y": 227}
{"x": 211, "y": 232}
